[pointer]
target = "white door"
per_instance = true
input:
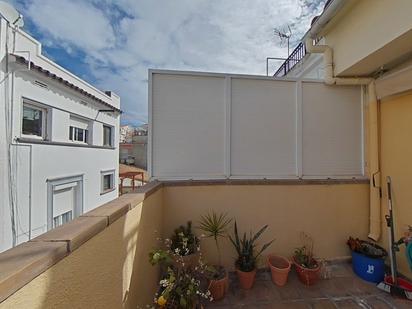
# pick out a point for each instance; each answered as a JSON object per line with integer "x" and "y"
{"x": 65, "y": 200}
{"x": 63, "y": 205}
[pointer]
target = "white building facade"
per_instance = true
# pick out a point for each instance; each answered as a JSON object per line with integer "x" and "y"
{"x": 59, "y": 141}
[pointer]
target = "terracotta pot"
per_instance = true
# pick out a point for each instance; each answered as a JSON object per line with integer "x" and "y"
{"x": 280, "y": 268}
{"x": 218, "y": 288}
{"x": 246, "y": 279}
{"x": 307, "y": 276}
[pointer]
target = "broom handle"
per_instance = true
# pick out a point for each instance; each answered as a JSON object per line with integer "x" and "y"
{"x": 391, "y": 233}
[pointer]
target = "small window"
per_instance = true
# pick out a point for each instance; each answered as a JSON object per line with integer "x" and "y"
{"x": 78, "y": 134}
{"x": 33, "y": 121}
{"x": 107, "y": 181}
{"x": 107, "y": 136}
{"x": 62, "y": 219}
{"x": 78, "y": 129}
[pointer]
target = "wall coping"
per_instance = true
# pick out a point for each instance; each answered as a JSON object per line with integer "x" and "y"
{"x": 281, "y": 182}
{"x": 23, "y": 263}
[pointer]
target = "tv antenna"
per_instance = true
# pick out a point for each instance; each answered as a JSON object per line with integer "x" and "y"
{"x": 284, "y": 34}
{"x": 11, "y": 15}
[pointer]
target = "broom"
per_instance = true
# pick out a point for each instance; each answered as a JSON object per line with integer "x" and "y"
{"x": 392, "y": 284}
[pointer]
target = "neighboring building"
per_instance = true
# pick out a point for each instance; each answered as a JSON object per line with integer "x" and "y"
{"x": 126, "y": 133}
{"x": 142, "y": 130}
{"x": 133, "y": 145}
{"x": 134, "y": 152}
{"x": 58, "y": 141}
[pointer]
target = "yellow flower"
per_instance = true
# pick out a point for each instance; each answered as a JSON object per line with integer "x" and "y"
{"x": 161, "y": 301}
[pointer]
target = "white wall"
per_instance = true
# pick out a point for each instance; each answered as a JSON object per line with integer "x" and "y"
{"x": 32, "y": 163}
{"x": 206, "y": 125}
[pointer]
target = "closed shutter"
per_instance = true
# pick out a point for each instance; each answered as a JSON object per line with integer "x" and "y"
{"x": 188, "y": 126}
{"x": 263, "y": 128}
{"x": 332, "y": 130}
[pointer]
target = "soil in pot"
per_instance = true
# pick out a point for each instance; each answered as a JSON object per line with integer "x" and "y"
{"x": 246, "y": 279}
{"x": 308, "y": 276}
{"x": 280, "y": 268}
{"x": 219, "y": 284}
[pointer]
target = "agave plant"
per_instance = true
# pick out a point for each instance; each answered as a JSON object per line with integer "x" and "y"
{"x": 246, "y": 247}
{"x": 215, "y": 226}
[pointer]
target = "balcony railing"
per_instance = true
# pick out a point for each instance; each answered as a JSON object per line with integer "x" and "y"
{"x": 295, "y": 57}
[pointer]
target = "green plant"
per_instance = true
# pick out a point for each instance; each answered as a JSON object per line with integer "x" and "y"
{"x": 215, "y": 226}
{"x": 367, "y": 248}
{"x": 245, "y": 249}
{"x": 304, "y": 255}
{"x": 160, "y": 257}
{"x": 184, "y": 241}
{"x": 180, "y": 286}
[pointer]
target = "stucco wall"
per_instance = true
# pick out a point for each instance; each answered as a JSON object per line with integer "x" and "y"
{"x": 330, "y": 213}
{"x": 396, "y": 154}
{"x": 109, "y": 271}
{"x": 367, "y": 27}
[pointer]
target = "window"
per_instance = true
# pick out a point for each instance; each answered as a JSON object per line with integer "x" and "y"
{"x": 78, "y": 130}
{"x": 62, "y": 219}
{"x": 33, "y": 121}
{"x": 107, "y": 136}
{"x": 107, "y": 181}
{"x": 78, "y": 134}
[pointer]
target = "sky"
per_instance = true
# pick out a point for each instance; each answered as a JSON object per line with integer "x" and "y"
{"x": 112, "y": 43}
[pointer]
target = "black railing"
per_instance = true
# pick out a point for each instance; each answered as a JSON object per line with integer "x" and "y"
{"x": 297, "y": 55}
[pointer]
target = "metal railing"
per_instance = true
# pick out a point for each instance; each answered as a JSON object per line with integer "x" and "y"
{"x": 294, "y": 58}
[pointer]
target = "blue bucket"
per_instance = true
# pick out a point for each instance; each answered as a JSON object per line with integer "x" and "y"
{"x": 369, "y": 269}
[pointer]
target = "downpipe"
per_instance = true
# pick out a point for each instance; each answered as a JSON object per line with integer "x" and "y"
{"x": 373, "y": 153}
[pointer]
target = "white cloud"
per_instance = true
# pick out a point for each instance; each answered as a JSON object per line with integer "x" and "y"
{"x": 73, "y": 22}
{"x": 123, "y": 38}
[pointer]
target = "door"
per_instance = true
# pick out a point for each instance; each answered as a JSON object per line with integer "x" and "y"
{"x": 65, "y": 200}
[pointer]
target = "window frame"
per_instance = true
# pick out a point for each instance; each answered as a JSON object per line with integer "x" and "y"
{"x": 112, "y": 184}
{"x": 44, "y": 110}
{"x": 73, "y": 134}
{"x": 110, "y": 137}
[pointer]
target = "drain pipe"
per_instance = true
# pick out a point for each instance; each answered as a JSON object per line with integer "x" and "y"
{"x": 373, "y": 153}
{"x": 374, "y": 172}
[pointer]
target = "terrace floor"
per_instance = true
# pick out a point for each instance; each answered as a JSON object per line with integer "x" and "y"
{"x": 343, "y": 289}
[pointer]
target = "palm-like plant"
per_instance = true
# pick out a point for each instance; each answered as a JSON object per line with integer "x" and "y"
{"x": 245, "y": 249}
{"x": 215, "y": 226}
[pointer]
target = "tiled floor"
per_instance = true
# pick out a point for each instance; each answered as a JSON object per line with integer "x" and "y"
{"x": 342, "y": 290}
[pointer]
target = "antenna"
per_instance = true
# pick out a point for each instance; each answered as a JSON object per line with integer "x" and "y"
{"x": 284, "y": 34}
{"x": 10, "y": 14}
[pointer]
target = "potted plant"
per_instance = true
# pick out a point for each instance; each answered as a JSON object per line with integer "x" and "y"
{"x": 279, "y": 268}
{"x": 185, "y": 245}
{"x": 307, "y": 267}
{"x": 368, "y": 259}
{"x": 180, "y": 286}
{"x": 215, "y": 226}
{"x": 247, "y": 256}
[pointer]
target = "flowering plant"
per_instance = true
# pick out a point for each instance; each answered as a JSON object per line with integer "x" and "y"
{"x": 184, "y": 241}
{"x": 182, "y": 285}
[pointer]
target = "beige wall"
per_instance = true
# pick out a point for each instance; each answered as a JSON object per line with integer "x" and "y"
{"x": 330, "y": 213}
{"x": 109, "y": 271}
{"x": 396, "y": 154}
{"x": 366, "y": 28}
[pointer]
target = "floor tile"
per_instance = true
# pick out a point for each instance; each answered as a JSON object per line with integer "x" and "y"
{"x": 343, "y": 290}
